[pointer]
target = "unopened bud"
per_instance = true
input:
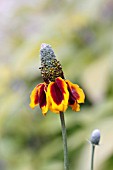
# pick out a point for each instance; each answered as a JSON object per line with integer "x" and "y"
{"x": 95, "y": 137}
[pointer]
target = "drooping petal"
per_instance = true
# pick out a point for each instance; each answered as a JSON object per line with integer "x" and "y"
{"x": 34, "y": 97}
{"x": 58, "y": 95}
{"x": 76, "y": 95}
{"x": 38, "y": 96}
{"x": 75, "y": 106}
{"x": 43, "y": 102}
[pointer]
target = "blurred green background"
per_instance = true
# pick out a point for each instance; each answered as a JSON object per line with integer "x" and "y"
{"x": 81, "y": 34}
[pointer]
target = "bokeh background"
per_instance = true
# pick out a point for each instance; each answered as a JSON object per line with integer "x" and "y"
{"x": 81, "y": 34}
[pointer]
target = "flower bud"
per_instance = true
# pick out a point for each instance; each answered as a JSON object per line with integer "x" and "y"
{"x": 95, "y": 137}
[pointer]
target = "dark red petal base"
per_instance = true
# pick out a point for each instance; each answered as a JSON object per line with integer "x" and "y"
{"x": 57, "y": 92}
{"x": 42, "y": 96}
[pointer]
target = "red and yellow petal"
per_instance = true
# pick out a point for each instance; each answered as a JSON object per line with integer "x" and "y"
{"x": 34, "y": 97}
{"x": 76, "y": 93}
{"x": 58, "y": 95}
{"x": 38, "y": 96}
{"x": 75, "y": 107}
{"x": 43, "y": 102}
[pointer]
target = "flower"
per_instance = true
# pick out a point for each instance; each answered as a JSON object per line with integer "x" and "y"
{"x": 55, "y": 93}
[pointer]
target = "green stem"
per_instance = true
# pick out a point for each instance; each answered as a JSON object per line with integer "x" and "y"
{"x": 64, "y": 136}
{"x": 92, "y": 156}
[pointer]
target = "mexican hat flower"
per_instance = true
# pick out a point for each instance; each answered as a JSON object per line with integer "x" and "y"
{"x": 56, "y": 93}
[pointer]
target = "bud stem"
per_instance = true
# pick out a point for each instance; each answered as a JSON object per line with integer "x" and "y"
{"x": 64, "y": 136}
{"x": 92, "y": 156}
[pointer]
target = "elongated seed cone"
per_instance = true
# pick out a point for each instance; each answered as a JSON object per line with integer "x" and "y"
{"x": 50, "y": 66}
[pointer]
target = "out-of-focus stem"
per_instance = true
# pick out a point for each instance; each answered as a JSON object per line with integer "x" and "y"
{"x": 92, "y": 156}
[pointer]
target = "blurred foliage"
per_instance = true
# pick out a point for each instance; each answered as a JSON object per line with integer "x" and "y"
{"x": 81, "y": 36}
